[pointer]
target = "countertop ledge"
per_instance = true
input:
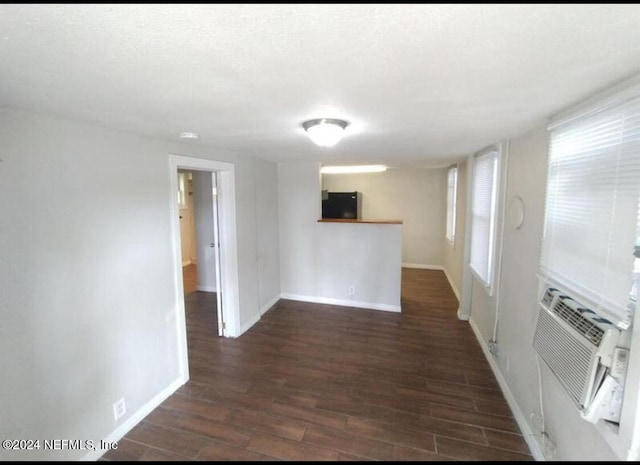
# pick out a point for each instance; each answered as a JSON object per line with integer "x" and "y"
{"x": 340, "y": 220}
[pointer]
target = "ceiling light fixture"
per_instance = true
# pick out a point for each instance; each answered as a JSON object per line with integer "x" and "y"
{"x": 353, "y": 169}
{"x": 325, "y": 132}
{"x": 189, "y": 135}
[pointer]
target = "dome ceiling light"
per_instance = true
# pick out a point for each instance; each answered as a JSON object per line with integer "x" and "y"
{"x": 189, "y": 135}
{"x": 325, "y": 132}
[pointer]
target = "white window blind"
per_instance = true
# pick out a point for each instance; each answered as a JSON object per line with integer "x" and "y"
{"x": 483, "y": 214}
{"x": 592, "y": 209}
{"x": 452, "y": 182}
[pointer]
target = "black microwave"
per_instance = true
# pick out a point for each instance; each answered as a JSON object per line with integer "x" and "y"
{"x": 342, "y": 205}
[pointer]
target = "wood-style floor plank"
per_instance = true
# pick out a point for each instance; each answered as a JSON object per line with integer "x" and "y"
{"x": 323, "y": 382}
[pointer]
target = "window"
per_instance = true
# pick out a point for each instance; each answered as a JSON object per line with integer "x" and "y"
{"x": 182, "y": 190}
{"x": 592, "y": 216}
{"x": 483, "y": 216}
{"x": 452, "y": 182}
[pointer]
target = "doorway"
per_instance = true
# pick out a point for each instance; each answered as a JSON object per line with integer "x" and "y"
{"x": 187, "y": 217}
{"x": 222, "y": 246}
{"x": 199, "y": 234}
{"x": 198, "y": 215}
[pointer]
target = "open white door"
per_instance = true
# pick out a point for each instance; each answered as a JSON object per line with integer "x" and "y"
{"x": 216, "y": 241}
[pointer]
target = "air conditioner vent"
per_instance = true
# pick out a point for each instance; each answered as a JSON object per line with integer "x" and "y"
{"x": 564, "y": 308}
{"x": 571, "y": 361}
{"x": 575, "y": 343}
{"x": 547, "y": 299}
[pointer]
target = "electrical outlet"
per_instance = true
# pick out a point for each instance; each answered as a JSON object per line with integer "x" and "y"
{"x": 352, "y": 290}
{"x": 493, "y": 347}
{"x": 119, "y": 409}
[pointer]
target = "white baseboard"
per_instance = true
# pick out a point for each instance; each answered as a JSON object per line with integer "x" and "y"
{"x": 453, "y": 286}
{"x": 245, "y": 327}
{"x": 266, "y": 307}
{"x": 248, "y": 324}
{"x": 134, "y": 419}
{"x": 462, "y": 316}
{"x": 346, "y": 303}
{"x": 206, "y": 288}
{"x": 525, "y": 428}
{"x": 422, "y": 267}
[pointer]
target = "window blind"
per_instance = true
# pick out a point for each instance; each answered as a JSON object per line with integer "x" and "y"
{"x": 592, "y": 213}
{"x": 483, "y": 215}
{"x": 452, "y": 181}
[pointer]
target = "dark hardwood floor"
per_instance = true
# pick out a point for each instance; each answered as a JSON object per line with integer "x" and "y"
{"x": 322, "y": 382}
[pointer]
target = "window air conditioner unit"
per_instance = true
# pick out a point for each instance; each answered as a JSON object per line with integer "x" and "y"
{"x": 580, "y": 348}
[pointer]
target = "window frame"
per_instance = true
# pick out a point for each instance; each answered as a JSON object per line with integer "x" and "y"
{"x": 182, "y": 190}
{"x": 488, "y": 283}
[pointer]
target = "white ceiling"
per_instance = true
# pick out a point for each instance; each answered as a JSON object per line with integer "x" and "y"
{"x": 419, "y": 83}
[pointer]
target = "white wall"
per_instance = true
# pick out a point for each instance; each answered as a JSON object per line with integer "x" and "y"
{"x": 248, "y": 231}
{"x": 268, "y": 235}
{"x": 320, "y": 261}
{"x": 366, "y": 257}
{"x": 576, "y": 439}
{"x": 418, "y": 197}
{"x": 454, "y": 252}
{"x": 299, "y": 210}
{"x": 87, "y": 301}
{"x": 203, "y": 209}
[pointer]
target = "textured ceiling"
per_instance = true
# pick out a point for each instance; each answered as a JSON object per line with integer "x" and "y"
{"x": 419, "y": 83}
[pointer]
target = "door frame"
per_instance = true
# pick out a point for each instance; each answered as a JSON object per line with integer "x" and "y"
{"x": 228, "y": 249}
